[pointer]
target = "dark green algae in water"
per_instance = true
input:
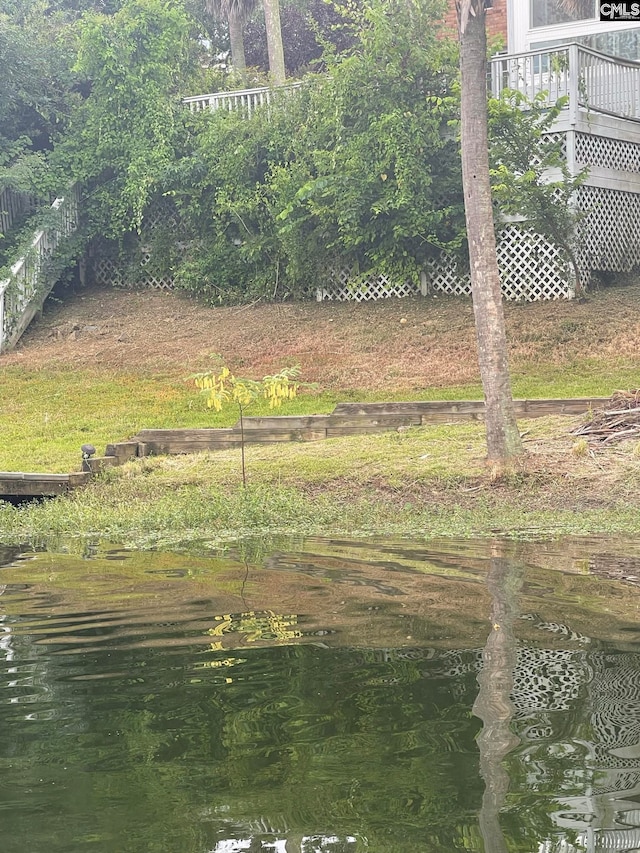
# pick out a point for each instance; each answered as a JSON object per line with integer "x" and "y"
{"x": 322, "y": 695}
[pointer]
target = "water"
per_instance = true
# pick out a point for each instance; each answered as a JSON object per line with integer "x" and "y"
{"x": 321, "y": 696}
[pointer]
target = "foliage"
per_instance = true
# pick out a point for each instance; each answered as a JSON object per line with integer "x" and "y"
{"x": 368, "y": 485}
{"x": 530, "y": 173}
{"x": 123, "y": 137}
{"x": 360, "y": 168}
{"x": 223, "y": 387}
{"x": 36, "y": 91}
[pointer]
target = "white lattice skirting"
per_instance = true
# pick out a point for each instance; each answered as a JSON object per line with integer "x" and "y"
{"x": 618, "y": 154}
{"x": 610, "y": 230}
{"x": 531, "y": 267}
{"x": 108, "y": 271}
{"x": 346, "y": 287}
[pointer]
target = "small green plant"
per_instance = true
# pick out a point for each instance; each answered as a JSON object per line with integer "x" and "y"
{"x": 580, "y": 447}
{"x": 222, "y": 387}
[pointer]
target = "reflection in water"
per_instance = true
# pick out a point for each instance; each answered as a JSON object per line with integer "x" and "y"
{"x": 326, "y": 700}
{"x": 493, "y": 704}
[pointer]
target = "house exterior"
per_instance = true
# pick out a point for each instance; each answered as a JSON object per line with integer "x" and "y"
{"x": 525, "y": 25}
{"x": 555, "y": 49}
{"x": 537, "y": 24}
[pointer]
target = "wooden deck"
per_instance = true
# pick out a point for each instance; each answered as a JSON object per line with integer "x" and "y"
{"x": 346, "y": 419}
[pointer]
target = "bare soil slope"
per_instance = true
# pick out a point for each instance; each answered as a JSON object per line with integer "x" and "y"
{"x": 391, "y": 344}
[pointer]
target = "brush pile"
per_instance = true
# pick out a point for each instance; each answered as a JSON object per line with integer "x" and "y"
{"x": 618, "y": 420}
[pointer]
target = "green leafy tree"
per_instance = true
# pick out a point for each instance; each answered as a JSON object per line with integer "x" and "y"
{"x": 376, "y": 176}
{"x": 529, "y": 171}
{"x": 222, "y": 387}
{"x": 359, "y": 169}
{"x": 123, "y": 137}
{"x": 37, "y": 92}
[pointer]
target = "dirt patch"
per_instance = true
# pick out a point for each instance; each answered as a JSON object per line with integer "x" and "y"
{"x": 391, "y": 344}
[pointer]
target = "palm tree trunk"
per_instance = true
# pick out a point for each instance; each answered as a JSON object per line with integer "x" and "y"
{"x": 274, "y": 41}
{"x": 503, "y": 438}
{"x": 236, "y": 38}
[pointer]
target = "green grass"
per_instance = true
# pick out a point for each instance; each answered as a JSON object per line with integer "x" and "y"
{"x": 581, "y": 378}
{"x": 425, "y": 482}
{"x": 208, "y": 514}
{"x": 46, "y": 415}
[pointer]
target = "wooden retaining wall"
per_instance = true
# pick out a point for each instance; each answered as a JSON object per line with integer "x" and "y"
{"x": 346, "y": 419}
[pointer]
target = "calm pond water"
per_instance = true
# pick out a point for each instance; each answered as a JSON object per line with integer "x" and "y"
{"x": 321, "y": 695}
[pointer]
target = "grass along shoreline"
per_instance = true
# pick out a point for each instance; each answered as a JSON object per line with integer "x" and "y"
{"x": 422, "y": 482}
{"x": 103, "y": 364}
{"x": 46, "y": 414}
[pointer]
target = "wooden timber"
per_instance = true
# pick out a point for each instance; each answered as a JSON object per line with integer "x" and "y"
{"x": 346, "y": 419}
{"x": 20, "y": 484}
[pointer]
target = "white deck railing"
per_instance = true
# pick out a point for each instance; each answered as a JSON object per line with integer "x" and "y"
{"x": 28, "y": 284}
{"x": 591, "y": 80}
{"x": 13, "y": 205}
{"x": 245, "y": 100}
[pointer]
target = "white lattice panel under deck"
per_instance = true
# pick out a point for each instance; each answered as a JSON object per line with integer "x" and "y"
{"x": 608, "y": 153}
{"x": 610, "y": 230}
{"x": 531, "y": 269}
{"x": 348, "y": 288}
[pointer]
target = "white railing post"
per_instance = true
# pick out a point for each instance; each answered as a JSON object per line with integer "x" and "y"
{"x": 592, "y": 80}
{"x": 246, "y": 100}
{"x": 21, "y": 294}
{"x": 574, "y": 83}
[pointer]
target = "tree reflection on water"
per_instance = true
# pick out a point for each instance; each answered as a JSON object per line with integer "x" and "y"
{"x": 493, "y": 704}
{"x": 206, "y": 720}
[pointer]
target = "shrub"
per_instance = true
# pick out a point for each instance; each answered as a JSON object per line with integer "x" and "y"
{"x": 360, "y": 168}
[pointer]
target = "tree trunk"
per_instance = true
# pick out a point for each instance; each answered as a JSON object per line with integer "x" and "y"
{"x": 503, "y": 438}
{"x": 274, "y": 41}
{"x": 493, "y": 704}
{"x": 236, "y": 37}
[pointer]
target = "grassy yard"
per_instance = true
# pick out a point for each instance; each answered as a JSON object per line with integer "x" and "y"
{"x": 425, "y": 481}
{"x": 100, "y": 367}
{"x": 47, "y": 414}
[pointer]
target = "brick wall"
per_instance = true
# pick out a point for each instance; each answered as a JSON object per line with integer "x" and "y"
{"x": 496, "y": 20}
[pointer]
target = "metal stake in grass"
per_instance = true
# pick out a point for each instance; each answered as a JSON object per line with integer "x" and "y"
{"x": 221, "y": 387}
